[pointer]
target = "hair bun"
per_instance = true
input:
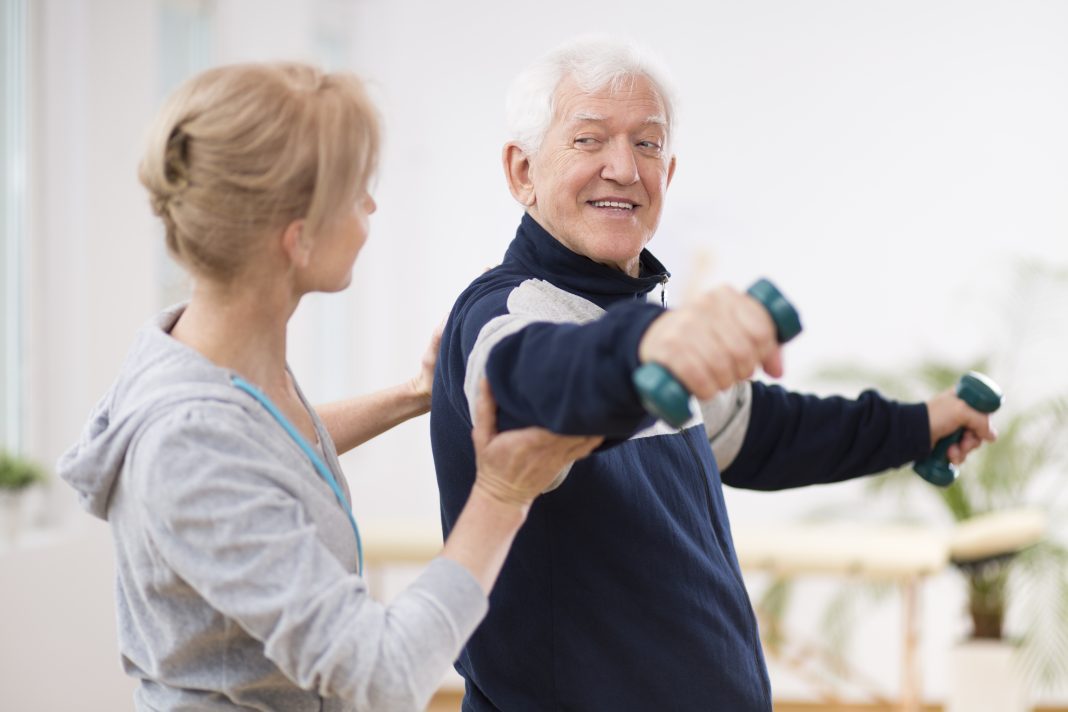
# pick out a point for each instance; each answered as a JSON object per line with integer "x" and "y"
{"x": 175, "y": 160}
{"x": 240, "y": 151}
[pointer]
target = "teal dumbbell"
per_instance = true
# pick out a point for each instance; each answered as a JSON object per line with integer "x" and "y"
{"x": 661, "y": 393}
{"x": 980, "y": 393}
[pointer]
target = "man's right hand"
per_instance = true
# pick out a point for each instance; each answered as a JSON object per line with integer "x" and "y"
{"x": 714, "y": 341}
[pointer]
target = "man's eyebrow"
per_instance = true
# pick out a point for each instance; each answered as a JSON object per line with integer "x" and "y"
{"x": 652, "y": 119}
{"x": 586, "y": 116}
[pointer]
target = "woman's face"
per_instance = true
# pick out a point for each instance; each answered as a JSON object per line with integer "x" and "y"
{"x": 339, "y": 243}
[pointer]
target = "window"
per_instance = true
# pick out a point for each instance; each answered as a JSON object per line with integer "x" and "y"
{"x": 185, "y": 48}
{"x": 12, "y": 216}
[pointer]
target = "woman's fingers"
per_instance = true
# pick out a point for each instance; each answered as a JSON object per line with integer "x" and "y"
{"x": 485, "y": 425}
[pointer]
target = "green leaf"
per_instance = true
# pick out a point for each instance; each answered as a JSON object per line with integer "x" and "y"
{"x": 16, "y": 473}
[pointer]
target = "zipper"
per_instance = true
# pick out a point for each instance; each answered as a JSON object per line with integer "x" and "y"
{"x": 705, "y": 480}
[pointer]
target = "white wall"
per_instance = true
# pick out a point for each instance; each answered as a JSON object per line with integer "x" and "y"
{"x": 58, "y": 648}
{"x": 91, "y": 237}
{"x": 885, "y": 162}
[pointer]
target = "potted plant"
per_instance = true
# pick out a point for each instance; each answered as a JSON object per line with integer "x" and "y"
{"x": 1023, "y": 470}
{"x": 18, "y": 479}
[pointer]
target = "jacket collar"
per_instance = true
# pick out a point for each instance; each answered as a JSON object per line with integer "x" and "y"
{"x": 547, "y": 258}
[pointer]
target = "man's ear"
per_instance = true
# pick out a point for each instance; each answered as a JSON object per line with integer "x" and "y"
{"x": 671, "y": 169}
{"x": 517, "y": 170}
{"x": 296, "y": 245}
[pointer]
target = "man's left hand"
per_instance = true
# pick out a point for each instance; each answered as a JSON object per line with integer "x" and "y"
{"x": 946, "y": 413}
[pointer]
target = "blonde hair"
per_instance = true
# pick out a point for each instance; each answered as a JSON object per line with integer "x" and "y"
{"x": 243, "y": 149}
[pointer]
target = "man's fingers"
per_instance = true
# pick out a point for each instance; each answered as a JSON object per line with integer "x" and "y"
{"x": 979, "y": 424}
{"x": 958, "y": 452}
{"x": 953, "y": 454}
{"x": 694, "y": 373}
{"x": 719, "y": 368}
{"x": 741, "y": 350}
{"x": 969, "y": 442}
{"x": 948, "y": 412}
{"x": 772, "y": 364}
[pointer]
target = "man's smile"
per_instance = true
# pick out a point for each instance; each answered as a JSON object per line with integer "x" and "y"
{"x": 613, "y": 204}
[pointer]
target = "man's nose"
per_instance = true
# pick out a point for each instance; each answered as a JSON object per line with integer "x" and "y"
{"x": 619, "y": 165}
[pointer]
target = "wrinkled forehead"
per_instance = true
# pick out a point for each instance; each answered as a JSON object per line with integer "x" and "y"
{"x": 630, "y": 98}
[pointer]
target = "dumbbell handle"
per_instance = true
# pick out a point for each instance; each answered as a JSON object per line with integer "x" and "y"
{"x": 982, "y": 394}
{"x": 661, "y": 393}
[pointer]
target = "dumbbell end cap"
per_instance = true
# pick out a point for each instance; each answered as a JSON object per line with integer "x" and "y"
{"x": 662, "y": 395}
{"x": 938, "y": 473}
{"x": 979, "y": 391}
{"x": 787, "y": 320}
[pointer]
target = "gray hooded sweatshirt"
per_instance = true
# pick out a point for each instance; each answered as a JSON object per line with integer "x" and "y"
{"x": 236, "y": 565}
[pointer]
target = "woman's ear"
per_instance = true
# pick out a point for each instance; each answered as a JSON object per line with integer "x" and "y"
{"x": 296, "y": 245}
{"x": 519, "y": 172}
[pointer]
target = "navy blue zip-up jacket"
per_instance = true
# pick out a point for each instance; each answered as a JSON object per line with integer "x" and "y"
{"x": 622, "y": 590}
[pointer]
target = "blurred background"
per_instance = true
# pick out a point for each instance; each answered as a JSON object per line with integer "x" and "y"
{"x": 898, "y": 167}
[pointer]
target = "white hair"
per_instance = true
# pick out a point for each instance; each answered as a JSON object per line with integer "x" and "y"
{"x": 593, "y": 63}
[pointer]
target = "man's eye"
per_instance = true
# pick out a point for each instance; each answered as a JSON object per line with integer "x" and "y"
{"x": 585, "y": 140}
{"x": 650, "y": 145}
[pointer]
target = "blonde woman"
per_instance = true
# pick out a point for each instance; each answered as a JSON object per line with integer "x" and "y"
{"x": 238, "y": 558}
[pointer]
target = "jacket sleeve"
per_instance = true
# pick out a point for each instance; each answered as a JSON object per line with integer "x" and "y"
{"x": 573, "y": 379}
{"x": 225, "y": 518}
{"x": 794, "y": 440}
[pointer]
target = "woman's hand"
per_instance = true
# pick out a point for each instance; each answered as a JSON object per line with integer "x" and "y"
{"x": 516, "y": 466}
{"x": 422, "y": 385}
{"x": 513, "y": 468}
{"x": 353, "y": 421}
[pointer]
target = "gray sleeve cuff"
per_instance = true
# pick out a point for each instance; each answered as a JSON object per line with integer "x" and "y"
{"x": 726, "y": 418}
{"x": 459, "y": 594}
{"x": 429, "y": 624}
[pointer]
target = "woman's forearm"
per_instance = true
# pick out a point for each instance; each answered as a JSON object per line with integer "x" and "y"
{"x": 482, "y": 536}
{"x": 353, "y": 421}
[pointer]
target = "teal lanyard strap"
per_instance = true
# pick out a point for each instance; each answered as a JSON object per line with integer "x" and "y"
{"x": 320, "y": 466}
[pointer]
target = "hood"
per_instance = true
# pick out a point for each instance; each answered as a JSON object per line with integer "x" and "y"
{"x": 158, "y": 373}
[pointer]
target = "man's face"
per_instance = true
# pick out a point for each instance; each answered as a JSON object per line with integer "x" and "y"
{"x": 599, "y": 178}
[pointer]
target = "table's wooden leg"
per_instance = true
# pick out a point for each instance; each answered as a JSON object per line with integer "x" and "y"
{"x": 910, "y": 671}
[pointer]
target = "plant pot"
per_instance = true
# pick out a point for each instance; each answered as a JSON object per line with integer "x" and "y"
{"x": 19, "y": 510}
{"x": 985, "y": 677}
{"x": 10, "y": 515}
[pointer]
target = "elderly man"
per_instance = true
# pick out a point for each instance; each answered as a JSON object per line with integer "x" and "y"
{"x": 623, "y": 591}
